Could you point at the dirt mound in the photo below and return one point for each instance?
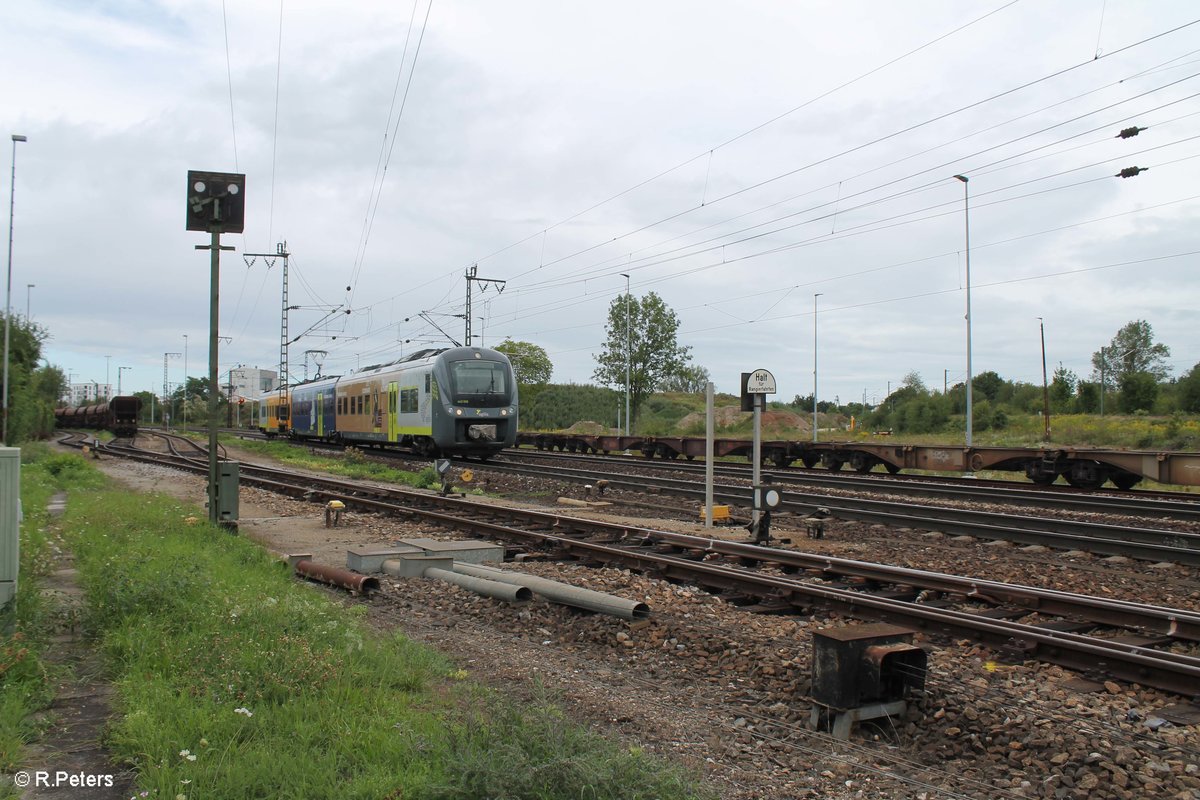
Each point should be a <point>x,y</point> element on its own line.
<point>784,423</point>
<point>587,428</point>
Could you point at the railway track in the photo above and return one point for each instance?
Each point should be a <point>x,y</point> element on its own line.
<point>1144,544</point>
<point>1151,645</point>
<point>1175,505</point>
<point>1104,539</point>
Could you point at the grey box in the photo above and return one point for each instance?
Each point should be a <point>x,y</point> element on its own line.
<point>468,551</point>
<point>228,478</point>
<point>10,522</point>
<point>370,559</point>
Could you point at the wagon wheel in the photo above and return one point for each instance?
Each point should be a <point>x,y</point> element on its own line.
<point>1084,482</point>
<point>834,464</point>
<point>1126,480</point>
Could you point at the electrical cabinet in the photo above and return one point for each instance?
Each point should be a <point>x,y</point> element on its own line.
<point>10,522</point>
<point>228,478</point>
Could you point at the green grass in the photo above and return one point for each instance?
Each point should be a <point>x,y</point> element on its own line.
<point>349,464</point>
<point>27,624</point>
<point>234,681</point>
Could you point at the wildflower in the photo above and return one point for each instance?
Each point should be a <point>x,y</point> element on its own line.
<point>181,797</point>
<point>186,781</point>
<point>204,742</point>
<point>244,710</point>
<point>188,754</point>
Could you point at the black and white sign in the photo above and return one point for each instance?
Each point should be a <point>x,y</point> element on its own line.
<point>761,381</point>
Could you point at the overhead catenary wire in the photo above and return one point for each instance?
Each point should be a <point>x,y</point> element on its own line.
<point>939,117</point>
<point>544,229</point>
<point>374,208</point>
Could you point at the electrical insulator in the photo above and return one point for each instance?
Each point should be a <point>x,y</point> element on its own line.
<point>1129,132</point>
<point>1130,172</point>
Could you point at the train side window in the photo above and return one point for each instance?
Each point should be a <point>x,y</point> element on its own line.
<point>408,401</point>
<point>428,381</point>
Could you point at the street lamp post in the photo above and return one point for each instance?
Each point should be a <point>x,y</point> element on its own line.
<point>12,188</point>
<point>628,353</point>
<point>120,372</point>
<point>108,371</point>
<point>815,296</point>
<point>185,383</point>
<point>29,287</point>
<point>1045,385</point>
<point>967,225</point>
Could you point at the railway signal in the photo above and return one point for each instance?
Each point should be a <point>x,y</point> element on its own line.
<point>216,203</point>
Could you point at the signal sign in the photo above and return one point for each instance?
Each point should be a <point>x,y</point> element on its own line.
<point>761,381</point>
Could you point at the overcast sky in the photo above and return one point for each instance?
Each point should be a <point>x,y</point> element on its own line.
<point>735,158</point>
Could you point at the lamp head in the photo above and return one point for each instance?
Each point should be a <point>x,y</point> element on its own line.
<point>962,178</point>
<point>16,137</point>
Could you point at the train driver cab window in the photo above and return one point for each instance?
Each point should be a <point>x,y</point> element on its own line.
<point>480,382</point>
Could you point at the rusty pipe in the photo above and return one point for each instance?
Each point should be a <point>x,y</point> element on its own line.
<point>360,584</point>
<point>561,592</point>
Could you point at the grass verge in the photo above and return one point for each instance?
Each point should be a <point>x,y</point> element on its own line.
<point>28,622</point>
<point>349,464</point>
<point>236,682</point>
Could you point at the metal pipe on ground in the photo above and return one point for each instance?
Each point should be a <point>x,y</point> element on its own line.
<point>561,592</point>
<point>362,584</point>
<point>488,588</point>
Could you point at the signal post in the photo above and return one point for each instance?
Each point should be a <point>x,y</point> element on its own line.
<point>216,203</point>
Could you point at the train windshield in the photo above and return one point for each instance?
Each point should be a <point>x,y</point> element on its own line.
<point>480,382</point>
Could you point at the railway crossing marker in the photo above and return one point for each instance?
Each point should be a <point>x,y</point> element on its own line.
<point>756,386</point>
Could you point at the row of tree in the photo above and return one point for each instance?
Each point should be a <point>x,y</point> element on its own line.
<point>34,388</point>
<point>1130,375</point>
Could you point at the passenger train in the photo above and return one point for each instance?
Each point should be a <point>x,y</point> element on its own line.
<point>460,401</point>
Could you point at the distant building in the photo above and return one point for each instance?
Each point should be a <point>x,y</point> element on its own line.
<point>80,393</point>
<point>251,382</point>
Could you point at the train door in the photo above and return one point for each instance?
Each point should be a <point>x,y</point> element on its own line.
<point>320,414</point>
<point>393,394</point>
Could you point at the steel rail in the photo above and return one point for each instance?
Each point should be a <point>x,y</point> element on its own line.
<point>1162,669</point>
<point>1144,544</point>
<point>1130,503</point>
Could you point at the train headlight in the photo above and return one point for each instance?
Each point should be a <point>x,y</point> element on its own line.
<point>504,412</point>
<point>458,412</point>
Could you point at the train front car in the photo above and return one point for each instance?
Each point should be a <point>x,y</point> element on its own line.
<point>474,402</point>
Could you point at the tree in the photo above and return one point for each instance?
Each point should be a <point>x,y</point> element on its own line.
<point>988,384</point>
<point>530,362</point>
<point>1088,397</point>
<point>692,379</point>
<point>1132,350</point>
<point>33,391</point>
<point>653,354</point>
<point>1139,390</point>
<point>1189,391</point>
<point>1062,389</point>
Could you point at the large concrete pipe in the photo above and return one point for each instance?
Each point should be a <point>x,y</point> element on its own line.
<point>561,592</point>
<point>500,590</point>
